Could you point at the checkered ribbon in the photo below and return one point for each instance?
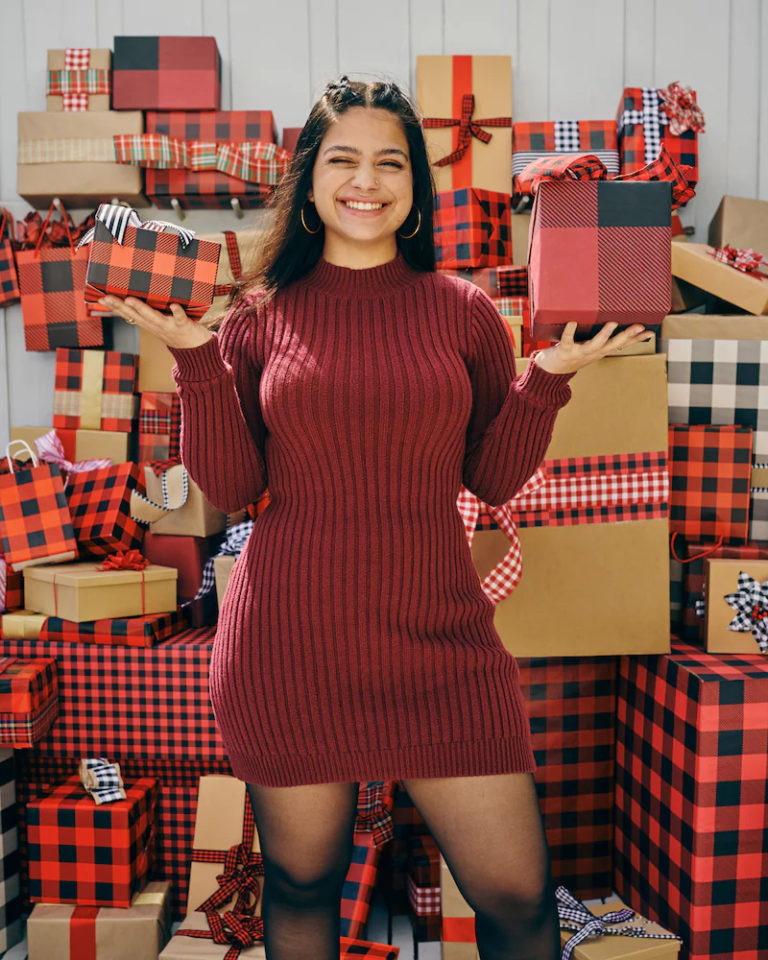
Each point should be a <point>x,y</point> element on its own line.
<point>116,218</point>
<point>745,260</point>
<point>679,104</point>
<point>233,545</point>
<point>102,779</point>
<point>468,128</point>
<point>77,80</point>
<point>576,917</point>
<point>51,449</point>
<point>751,605</point>
<point>146,511</point>
<point>651,117</point>
<point>235,264</point>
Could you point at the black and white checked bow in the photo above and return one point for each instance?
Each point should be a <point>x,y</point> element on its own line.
<point>102,779</point>
<point>751,605</point>
<point>233,544</point>
<point>116,218</point>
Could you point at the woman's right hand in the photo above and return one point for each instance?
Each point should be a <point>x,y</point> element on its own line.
<point>176,330</point>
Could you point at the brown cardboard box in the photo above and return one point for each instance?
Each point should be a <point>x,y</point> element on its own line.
<point>78,183</point>
<point>155,364</point>
<point>88,444</point>
<point>595,589</point>
<point>222,571</point>
<point>248,245</point>
<point>99,59</point>
<point>22,625</point>
<point>490,80</point>
<point>82,591</point>
<point>623,948</point>
<point>693,263</point>
<point>137,932</point>
<point>740,222</point>
<point>459,917</point>
<point>722,578</point>
<point>196,518</point>
<point>521,224</point>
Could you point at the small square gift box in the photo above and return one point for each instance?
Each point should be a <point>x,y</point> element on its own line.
<point>60,931</point>
<point>95,390</point>
<point>736,606</point>
<point>88,853</point>
<point>166,73</point>
<point>29,699</point>
<point>78,79</point>
<point>100,506</point>
<point>737,275</point>
<point>159,426</point>
<point>154,261</point>
<point>472,228</point>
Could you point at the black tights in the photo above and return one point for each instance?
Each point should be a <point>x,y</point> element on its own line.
<point>488,829</point>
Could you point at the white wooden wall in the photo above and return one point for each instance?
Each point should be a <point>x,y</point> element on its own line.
<point>571,58</point>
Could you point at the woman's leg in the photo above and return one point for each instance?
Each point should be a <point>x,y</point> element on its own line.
<point>490,832</point>
<point>305,834</point>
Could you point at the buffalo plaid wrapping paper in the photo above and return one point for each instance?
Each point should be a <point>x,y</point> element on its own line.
<point>691,805</point>
<point>11,587</point>
<point>710,469</point>
<point>643,126</point>
<point>166,73</point>
<point>95,390</point>
<point>10,880</point>
<point>159,426</point>
<point>472,228</point>
<point>130,631</point>
<point>533,141</point>
<point>9,284</point>
<point>208,189</point>
<point>100,506</point>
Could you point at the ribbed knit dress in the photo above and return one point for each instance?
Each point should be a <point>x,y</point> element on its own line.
<point>355,641</point>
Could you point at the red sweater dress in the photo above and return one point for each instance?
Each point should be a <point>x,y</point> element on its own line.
<point>355,641</point>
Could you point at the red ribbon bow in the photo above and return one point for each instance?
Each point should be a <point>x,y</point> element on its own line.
<point>679,104</point>
<point>468,128</point>
<point>746,260</point>
<point>124,560</point>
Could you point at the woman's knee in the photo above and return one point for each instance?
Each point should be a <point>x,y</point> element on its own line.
<point>308,882</point>
<point>516,906</point>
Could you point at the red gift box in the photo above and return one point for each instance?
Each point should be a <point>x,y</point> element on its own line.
<point>643,125</point>
<point>166,73</point>
<point>159,426</point>
<point>128,631</point>
<point>187,554</point>
<point>533,141</point>
<point>99,504</point>
<point>472,228</point>
<point>89,854</point>
<point>9,285</point>
<point>29,699</point>
<point>11,587</point>
<point>95,390</point>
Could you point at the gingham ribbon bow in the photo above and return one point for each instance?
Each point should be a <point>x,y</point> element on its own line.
<point>51,450</point>
<point>744,259</point>
<point>751,605</point>
<point>681,108</point>
<point>116,218</point>
<point>232,545</point>
<point>575,916</point>
<point>102,779</point>
<point>468,128</point>
<point>77,80</point>
<point>240,878</point>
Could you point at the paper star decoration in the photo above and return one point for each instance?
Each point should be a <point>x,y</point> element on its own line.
<point>751,605</point>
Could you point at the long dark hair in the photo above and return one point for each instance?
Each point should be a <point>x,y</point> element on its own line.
<point>287,251</point>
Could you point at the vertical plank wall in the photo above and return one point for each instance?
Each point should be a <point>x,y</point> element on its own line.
<point>570,59</point>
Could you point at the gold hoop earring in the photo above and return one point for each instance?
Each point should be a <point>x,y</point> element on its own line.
<point>407,236</point>
<point>304,223</point>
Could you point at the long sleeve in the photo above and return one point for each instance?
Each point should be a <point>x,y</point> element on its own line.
<point>512,417</point>
<point>222,428</point>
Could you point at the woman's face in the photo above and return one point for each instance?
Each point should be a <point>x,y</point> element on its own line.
<point>362,183</point>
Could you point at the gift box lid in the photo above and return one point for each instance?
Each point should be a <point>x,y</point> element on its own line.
<point>618,948</point>
<point>26,684</point>
<point>84,574</point>
<point>72,794</point>
<point>152,901</point>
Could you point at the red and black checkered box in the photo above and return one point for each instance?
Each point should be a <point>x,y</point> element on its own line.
<point>29,699</point>
<point>691,802</point>
<point>533,141</point>
<point>643,126</point>
<point>472,228</point>
<point>11,587</point>
<point>159,426</point>
<point>207,188</point>
<point>96,390</point>
<point>91,854</point>
<point>166,73</point>
<point>100,506</point>
<point>129,631</point>
<point>424,888</point>
<point>710,470</point>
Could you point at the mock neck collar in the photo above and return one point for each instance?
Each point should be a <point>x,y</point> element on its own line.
<point>381,280</point>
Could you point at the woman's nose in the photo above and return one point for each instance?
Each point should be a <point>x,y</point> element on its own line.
<point>366,177</point>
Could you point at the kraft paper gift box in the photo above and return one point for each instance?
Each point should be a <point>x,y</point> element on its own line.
<point>10,887</point>
<point>166,73</point>
<point>72,156</point>
<point>79,444</point>
<point>155,365</point>
<point>740,222</point>
<point>190,517</point>
<point>78,78</point>
<point>643,125</point>
<point>84,591</point>
<point>139,932</point>
<point>694,263</point>
<point>22,625</point>
<point>643,945</point>
<point>472,228</point>
<point>88,854</point>
<point>29,699</point>
<point>607,565</point>
<point>531,141</point>
<point>239,251</point>
<point>736,606</point>
<point>99,503</point>
<point>466,101</point>
<point>457,934</point>
<point>521,223</point>
<point>691,805</point>
<point>222,571</point>
<point>95,390</point>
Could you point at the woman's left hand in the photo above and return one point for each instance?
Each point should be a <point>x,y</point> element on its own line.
<point>567,356</point>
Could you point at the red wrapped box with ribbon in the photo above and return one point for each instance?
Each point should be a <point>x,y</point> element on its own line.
<point>91,854</point>
<point>78,79</point>
<point>95,390</point>
<point>129,631</point>
<point>9,283</point>
<point>535,141</point>
<point>29,699</point>
<point>100,506</point>
<point>166,73</point>
<point>472,228</point>
<point>159,426</point>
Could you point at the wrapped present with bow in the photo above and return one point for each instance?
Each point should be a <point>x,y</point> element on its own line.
<point>166,73</point>
<point>735,605</point>
<point>102,779</point>
<point>9,282</point>
<point>29,699</point>
<point>740,222</point>
<point>541,140</point>
<point>737,275</point>
<point>100,506</point>
<point>78,78</point>
<point>174,504</point>
<point>95,390</point>
<point>649,117</point>
<point>472,228</point>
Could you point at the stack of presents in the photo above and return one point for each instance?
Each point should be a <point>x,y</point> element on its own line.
<point>642,657</point>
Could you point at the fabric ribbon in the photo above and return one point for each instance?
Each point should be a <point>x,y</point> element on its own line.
<point>576,917</point>
<point>124,560</point>
<point>77,80</point>
<point>233,544</point>
<point>117,218</point>
<point>102,779</point>
<point>651,117</point>
<point>751,605</point>
<point>82,932</point>
<point>679,104</point>
<point>468,128</point>
<point>51,450</point>
<point>745,260</point>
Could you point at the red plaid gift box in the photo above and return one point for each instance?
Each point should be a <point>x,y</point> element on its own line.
<point>166,73</point>
<point>156,262</point>
<point>424,888</point>
<point>9,284</point>
<point>89,854</point>
<point>78,79</point>
<point>29,699</point>
<point>99,504</point>
<point>95,390</point>
<point>129,631</point>
<point>644,124</point>
<point>691,805</point>
<point>515,313</point>
<point>159,426</point>
<point>513,281</point>
<point>472,228</point>
<point>710,470</point>
<point>534,141</point>
<point>209,188</point>
<point>11,589</point>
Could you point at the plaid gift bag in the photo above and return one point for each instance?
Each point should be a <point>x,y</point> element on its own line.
<point>95,390</point>
<point>472,228</point>
<point>710,469</point>
<point>159,426</point>
<point>29,699</point>
<point>9,284</point>
<point>35,525</point>
<point>52,284</point>
<point>100,506</point>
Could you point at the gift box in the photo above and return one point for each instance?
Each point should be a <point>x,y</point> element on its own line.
<point>175,505</point>
<point>291,137</point>
<point>532,141</point>
<point>466,103</point>
<point>513,310</point>
<point>85,591</point>
<point>487,278</point>
<point>695,263</point>
<point>208,186</point>
<point>89,854</point>
<point>72,156</point>
<point>99,504</point>
<point>457,933</point>
<point>736,606</point>
<point>22,625</point>
<point>159,426</point>
<point>222,571</point>
<point>29,699</point>
<point>187,554</point>
<point>472,228</point>
<point>740,222</point>
<point>424,888</point>
<point>619,933</point>
<point>10,898</point>
<point>602,547</point>
<point>129,632</point>
<point>239,251</point>
<point>11,590</point>
<point>79,444</point>
<point>521,223</point>
<point>9,284</point>
<point>643,125</point>
<point>588,239</point>
<point>95,390</point>
<point>78,79</point>
<point>691,807</point>
<point>155,364</point>
<point>139,932</point>
<point>166,73</point>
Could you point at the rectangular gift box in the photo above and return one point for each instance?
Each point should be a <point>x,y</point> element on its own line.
<point>159,426</point>
<point>155,364</point>
<point>78,79</point>
<point>100,506</point>
<point>10,887</point>
<point>59,931</point>
<point>239,252</point>
<point>694,263</point>
<point>187,554</point>
<point>11,589</point>
<point>95,390</point>
<point>472,228</point>
<point>89,854</point>
<point>424,888</point>
<point>79,444</point>
<point>640,946</point>
<point>83,591</point>
<point>22,625</point>
<point>740,222</point>
<point>29,699</point>
<point>166,73</point>
<point>643,126</point>
<point>736,598</point>
<point>532,141</point>
<point>222,571</point>
<point>116,632</point>
<point>513,309</point>
<point>72,156</point>
<point>196,518</point>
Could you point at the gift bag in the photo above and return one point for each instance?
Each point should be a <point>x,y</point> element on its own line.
<point>9,284</point>
<point>35,524</point>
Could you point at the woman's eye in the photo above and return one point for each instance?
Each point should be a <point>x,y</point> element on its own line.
<point>340,160</point>
<point>393,163</point>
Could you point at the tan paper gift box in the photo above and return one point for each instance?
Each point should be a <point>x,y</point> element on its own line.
<point>457,928</point>
<point>69,155</point>
<point>22,625</point>
<point>222,571</point>
<point>653,943</point>
<point>736,596</point>
<point>175,505</point>
<point>694,263</point>
<point>81,77</point>
<point>61,931</point>
<point>740,222</point>
<point>84,591</point>
<point>80,444</point>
